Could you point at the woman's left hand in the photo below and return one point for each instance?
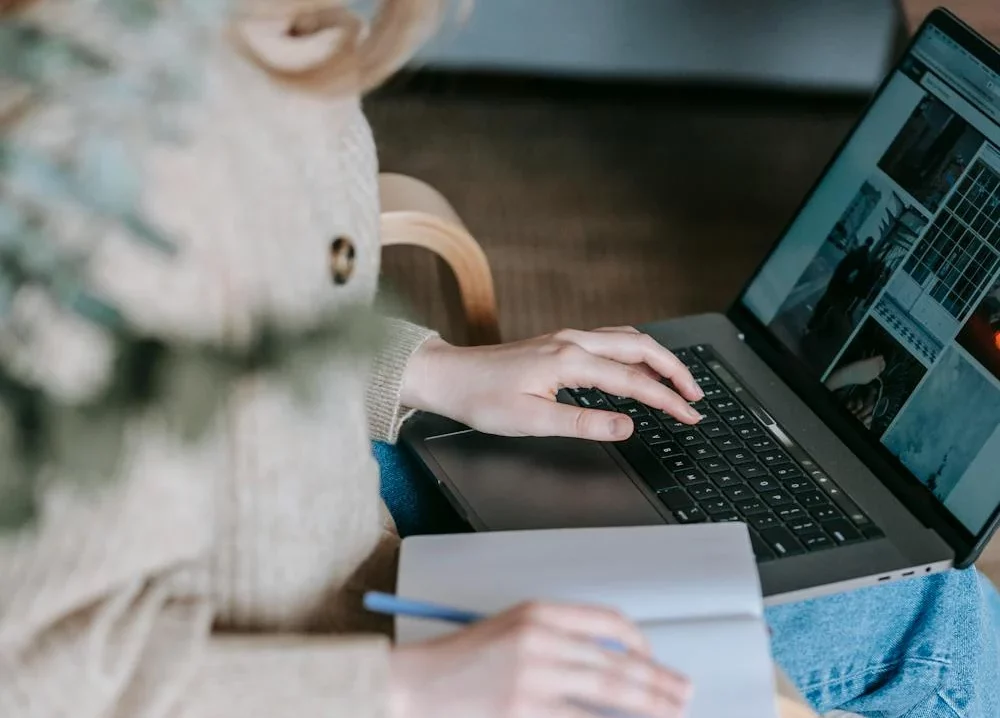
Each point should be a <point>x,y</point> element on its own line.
<point>510,389</point>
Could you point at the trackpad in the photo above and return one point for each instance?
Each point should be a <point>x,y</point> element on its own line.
<point>512,484</point>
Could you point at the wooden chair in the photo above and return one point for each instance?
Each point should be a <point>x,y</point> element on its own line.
<point>417,215</point>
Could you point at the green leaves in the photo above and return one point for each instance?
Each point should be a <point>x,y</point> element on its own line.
<point>34,57</point>
<point>91,174</point>
<point>185,387</point>
<point>133,13</point>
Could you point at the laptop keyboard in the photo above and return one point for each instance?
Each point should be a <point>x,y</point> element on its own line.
<point>731,467</point>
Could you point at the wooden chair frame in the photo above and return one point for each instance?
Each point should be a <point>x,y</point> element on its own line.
<point>417,215</point>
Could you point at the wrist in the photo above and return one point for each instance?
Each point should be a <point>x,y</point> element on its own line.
<point>421,388</point>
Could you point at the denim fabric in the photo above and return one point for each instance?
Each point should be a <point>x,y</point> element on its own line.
<point>917,648</point>
<point>412,498</point>
<point>922,648</point>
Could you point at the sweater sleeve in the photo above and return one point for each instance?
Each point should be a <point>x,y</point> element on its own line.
<point>138,653</point>
<point>263,677</point>
<point>385,413</point>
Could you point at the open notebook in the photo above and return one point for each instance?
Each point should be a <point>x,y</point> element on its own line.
<point>693,589</point>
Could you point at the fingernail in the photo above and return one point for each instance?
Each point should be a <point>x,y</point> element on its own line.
<point>693,413</point>
<point>699,392</point>
<point>621,428</point>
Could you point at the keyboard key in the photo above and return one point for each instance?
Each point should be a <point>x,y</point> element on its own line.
<point>620,400</point>
<point>778,498</point>
<point>791,513</point>
<point>799,486</point>
<point>724,479</point>
<point>646,423</point>
<point>761,550</point>
<point>670,423</point>
<point>713,465</point>
<point>751,471</point>
<point>787,471</point>
<point>773,458</point>
<point>750,431</point>
<point>687,358</point>
<point>689,438</point>
<point>660,481</point>
<point>783,543</point>
<point>815,541</point>
<point>726,443</point>
<point>711,392</point>
<point>763,484</point>
<point>702,492</point>
<point>724,405</point>
<point>739,493</point>
<point>726,517</point>
<point>749,507</point>
<point>702,377</point>
<point>843,502</point>
<point>811,499</point>
<point>761,443</point>
<point>736,418</point>
<point>634,410</point>
<point>690,477</point>
<point>652,437</point>
<point>590,399</point>
<point>714,507</point>
<point>690,515</point>
<point>821,479</point>
<point>701,407</point>
<point>666,451</point>
<point>824,512</point>
<point>678,463</point>
<point>714,429</point>
<point>739,456</point>
<point>675,499</point>
<point>842,530</point>
<point>703,451</point>
<point>803,526</point>
<point>764,521</point>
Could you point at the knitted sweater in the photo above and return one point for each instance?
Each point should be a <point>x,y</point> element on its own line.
<point>220,578</point>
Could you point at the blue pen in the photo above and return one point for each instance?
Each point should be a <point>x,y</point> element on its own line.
<point>395,606</point>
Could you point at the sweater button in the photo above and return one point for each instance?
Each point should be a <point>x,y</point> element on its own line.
<point>342,255</point>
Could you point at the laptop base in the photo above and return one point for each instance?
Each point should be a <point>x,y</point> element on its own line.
<point>499,483</point>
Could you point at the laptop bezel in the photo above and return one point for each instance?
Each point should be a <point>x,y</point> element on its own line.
<point>917,497</point>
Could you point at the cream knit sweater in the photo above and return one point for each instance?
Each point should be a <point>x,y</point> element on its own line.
<point>221,579</point>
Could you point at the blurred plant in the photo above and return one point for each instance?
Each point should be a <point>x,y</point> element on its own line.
<point>117,97</point>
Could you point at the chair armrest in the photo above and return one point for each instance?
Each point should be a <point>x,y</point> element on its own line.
<point>417,215</point>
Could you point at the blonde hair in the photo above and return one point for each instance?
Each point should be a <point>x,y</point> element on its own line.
<point>365,55</point>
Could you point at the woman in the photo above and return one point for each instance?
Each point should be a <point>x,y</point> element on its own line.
<point>222,578</point>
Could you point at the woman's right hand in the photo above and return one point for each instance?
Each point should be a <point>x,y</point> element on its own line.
<point>535,661</point>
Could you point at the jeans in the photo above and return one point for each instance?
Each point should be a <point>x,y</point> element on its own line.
<point>921,648</point>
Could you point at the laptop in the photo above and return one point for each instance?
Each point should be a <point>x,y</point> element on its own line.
<point>852,391</point>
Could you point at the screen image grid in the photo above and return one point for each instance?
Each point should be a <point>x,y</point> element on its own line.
<point>899,310</point>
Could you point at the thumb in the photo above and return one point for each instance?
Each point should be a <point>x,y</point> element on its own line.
<point>548,418</point>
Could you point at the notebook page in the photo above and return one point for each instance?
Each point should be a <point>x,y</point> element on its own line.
<point>728,660</point>
<point>651,573</point>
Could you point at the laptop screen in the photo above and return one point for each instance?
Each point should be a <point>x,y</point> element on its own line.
<point>887,284</point>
